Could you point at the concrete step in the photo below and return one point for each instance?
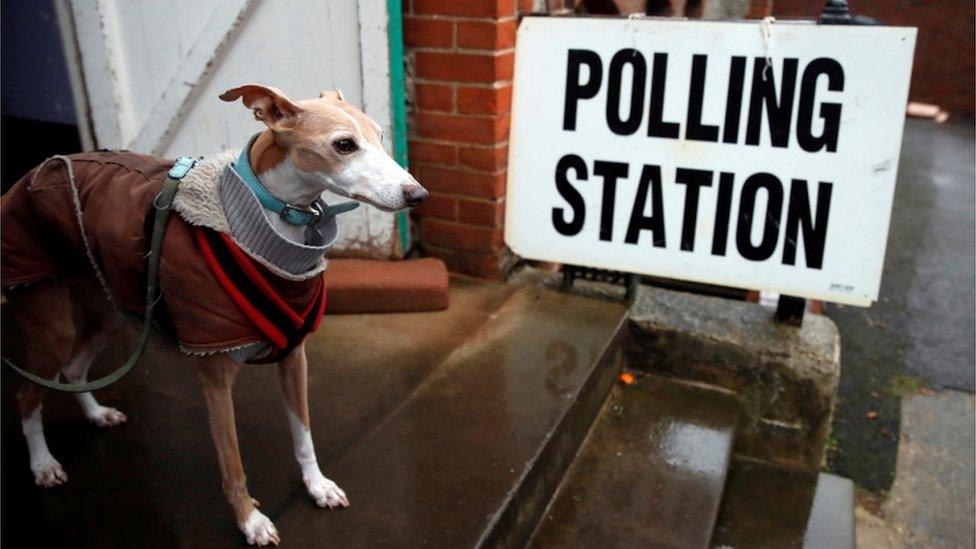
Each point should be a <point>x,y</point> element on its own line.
<point>767,506</point>
<point>446,429</point>
<point>471,457</point>
<point>651,472</point>
<point>160,467</point>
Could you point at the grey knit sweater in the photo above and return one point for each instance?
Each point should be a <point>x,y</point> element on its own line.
<point>214,196</point>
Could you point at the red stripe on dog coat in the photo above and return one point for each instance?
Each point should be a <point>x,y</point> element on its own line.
<point>237,274</point>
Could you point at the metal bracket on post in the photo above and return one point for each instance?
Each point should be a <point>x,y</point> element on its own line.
<point>629,281</point>
<point>790,310</point>
<point>836,13</point>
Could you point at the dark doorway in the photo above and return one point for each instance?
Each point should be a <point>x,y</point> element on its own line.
<point>37,115</point>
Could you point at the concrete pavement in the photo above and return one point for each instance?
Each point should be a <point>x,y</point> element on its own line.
<point>891,432</point>
<point>921,330</point>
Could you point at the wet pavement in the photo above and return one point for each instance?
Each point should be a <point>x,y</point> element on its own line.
<point>766,506</point>
<point>921,331</point>
<point>933,500</point>
<point>429,422</point>
<point>651,472</point>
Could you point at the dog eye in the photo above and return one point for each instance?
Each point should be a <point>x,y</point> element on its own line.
<point>344,146</point>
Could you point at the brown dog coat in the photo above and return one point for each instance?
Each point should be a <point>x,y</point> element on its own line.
<point>41,240</point>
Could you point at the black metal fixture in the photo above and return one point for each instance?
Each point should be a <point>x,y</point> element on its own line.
<point>629,281</point>
<point>790,310</point>
<point>836,13</point>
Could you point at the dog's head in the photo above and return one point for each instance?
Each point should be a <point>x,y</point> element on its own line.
<point>333,146</point>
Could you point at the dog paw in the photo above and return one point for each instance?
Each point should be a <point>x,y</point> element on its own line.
<point>259,530</point>
<point>325,492</point>
<point>104,416</point>
<point>49,473</point>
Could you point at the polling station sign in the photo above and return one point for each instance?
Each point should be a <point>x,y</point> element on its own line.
<point>747,154</point>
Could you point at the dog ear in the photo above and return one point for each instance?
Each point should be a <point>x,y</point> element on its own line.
<point>270,105</point>
<point>337,94</point>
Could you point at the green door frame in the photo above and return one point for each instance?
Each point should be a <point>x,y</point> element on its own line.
<point>398,106</point>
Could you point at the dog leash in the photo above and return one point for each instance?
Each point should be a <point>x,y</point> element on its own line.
<point>161,206</point>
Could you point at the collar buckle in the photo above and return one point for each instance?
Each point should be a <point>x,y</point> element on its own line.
<point>305,215</point>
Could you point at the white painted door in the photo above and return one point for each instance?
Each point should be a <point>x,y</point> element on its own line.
<point>147,74</point>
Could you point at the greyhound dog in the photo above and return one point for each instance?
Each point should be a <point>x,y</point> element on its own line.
<point>308,147</point>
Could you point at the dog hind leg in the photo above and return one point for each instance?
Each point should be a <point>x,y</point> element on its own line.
<point>217,373</point>
<point>77,372</point>
<point>98,323</point>
<point>43,312</point>
<point>293,372</point>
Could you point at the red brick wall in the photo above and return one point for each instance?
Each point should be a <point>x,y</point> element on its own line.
<point>944,52</point>
<point>460,58</point>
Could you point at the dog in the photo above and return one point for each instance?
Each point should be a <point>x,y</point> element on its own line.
<point>49,220</point>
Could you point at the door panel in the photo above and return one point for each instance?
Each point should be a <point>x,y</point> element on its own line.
<point>152,71</point>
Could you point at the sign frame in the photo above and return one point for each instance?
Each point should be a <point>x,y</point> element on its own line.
<point>527,212</point>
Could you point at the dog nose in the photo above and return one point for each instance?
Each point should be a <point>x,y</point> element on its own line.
<point>414,194</point>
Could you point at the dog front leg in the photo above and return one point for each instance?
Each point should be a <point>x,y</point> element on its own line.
<point>294,382</point>
<point>217,375</point>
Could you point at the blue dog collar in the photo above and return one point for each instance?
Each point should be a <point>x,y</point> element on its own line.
<point>291,213</point>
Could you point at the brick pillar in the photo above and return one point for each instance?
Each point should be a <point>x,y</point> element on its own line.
<point>762,8</point>
<point>460,59</point>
